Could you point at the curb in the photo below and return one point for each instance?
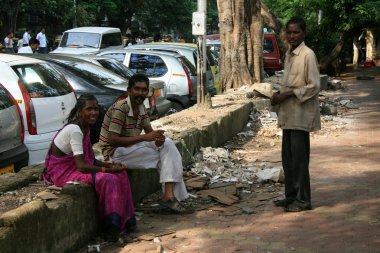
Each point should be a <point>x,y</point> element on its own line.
<point>66,223</point>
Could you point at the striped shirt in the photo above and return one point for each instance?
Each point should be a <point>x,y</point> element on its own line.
<point>119,119</point>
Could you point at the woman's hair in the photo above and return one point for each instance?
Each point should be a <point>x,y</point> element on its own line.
<point>81,102</point>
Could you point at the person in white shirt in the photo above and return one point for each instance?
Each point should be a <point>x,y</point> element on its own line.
<point>43,41</point>
<point>26,37</point>
<point>31,49</point>
<point>8,41</point>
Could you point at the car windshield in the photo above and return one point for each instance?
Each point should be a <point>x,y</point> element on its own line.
<point>42,80</point>
<point>116,67</point>
<point>268,46</point>
<point>80,39</point>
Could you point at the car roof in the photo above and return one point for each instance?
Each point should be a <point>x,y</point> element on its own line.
<point>160,46</point>
<point>89,56</point>
<point>14,59</point>
<point>94,29</point>
<point>183,44</point>
<point>150,52</point>
<point>49,57</point>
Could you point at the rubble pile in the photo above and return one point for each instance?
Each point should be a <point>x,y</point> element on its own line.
<point>218,165</point>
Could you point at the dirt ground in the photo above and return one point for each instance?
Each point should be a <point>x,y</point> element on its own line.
<point>256,148</point>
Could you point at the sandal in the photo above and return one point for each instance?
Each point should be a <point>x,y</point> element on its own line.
<point>175,206</point>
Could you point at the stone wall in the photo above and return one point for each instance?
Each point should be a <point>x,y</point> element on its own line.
<point>64,224</point>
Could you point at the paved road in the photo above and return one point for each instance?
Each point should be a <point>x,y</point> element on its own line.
<point>345,172</point>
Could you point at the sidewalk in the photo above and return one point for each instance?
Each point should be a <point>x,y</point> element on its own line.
<point>345,176</point>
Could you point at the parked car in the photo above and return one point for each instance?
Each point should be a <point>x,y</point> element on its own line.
<point>178,74</point>
<point>44,97</point>
<point>190,52</point>
<point>271,54</point>
<point>13,152</point>
<point>86,78</point>
<point>271,51</point>
<point>157,94</point>
<point>89,40</point>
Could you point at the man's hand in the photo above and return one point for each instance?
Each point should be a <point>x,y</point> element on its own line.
<point>278,97</point>
<point>155,135</point>
<point>275,99</point>
<point>160,141</point>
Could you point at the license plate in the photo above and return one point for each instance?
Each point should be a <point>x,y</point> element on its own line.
<point>7,169</point>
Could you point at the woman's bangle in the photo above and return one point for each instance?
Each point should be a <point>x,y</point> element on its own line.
<point>104,169</point>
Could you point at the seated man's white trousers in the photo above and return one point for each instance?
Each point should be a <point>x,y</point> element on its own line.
<point>145,155</point>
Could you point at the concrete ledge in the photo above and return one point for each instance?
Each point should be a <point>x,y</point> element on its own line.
<point>59,225</point>
<point>68,222</point>
<point>214,134</point>
<point>143,183</point>
<point>27,175</point>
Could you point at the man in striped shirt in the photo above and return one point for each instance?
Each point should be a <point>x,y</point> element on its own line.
<point>121,141</point>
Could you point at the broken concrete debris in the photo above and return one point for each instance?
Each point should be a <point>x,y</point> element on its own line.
<point>274,174</point>
<point>218,167</point>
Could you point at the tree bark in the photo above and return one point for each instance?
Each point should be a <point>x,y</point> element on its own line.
<point>256,28</point>
<point>237,34</point>
<point>334,54</point>
<point>271,20</point>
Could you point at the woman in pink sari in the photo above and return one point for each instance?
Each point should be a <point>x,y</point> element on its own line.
<point>71,158</point>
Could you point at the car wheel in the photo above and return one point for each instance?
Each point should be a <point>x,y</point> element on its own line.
<point>175,107</point>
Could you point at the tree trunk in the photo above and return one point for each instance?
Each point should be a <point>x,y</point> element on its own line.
<point>271,20</point>
<point>334,54</point>
<point>237,33</point>
<point>256,28</point>
<point>371,45</point>
<point>355,58</point>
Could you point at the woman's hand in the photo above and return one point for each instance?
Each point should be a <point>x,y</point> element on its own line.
<point>117,167</point>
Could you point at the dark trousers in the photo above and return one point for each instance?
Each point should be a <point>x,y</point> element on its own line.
<point>295,161</point>
<point>43,50</point>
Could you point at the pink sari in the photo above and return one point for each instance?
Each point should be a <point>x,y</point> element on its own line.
<point>115,203</point>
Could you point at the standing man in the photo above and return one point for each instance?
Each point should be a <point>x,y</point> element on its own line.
<point>43,41</point>
<point>26,37</point>
<point>121,140</point>
<point>298,116</point>
<point>8,42</point>
<point>31,49</point>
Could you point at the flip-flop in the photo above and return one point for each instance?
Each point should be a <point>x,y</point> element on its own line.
<point>175,206</point>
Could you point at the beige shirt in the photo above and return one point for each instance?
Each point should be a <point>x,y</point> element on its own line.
<point>301,74</point>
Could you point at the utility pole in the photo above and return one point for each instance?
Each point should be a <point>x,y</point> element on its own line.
<point>199,25</point>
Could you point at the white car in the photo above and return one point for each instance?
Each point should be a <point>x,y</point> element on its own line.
<point>45,99</point>
<point>89,40</point>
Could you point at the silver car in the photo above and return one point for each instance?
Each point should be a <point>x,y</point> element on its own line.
<point>190,52</point>
<point>157,88</point>
<point>178,74</point>
<point>13,152</point>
